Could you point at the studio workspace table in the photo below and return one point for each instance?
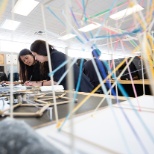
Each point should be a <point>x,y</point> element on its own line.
<point>63,109</point>
<point>121,129</point>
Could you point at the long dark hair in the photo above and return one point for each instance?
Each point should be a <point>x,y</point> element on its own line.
<point>23,68</point>
<point>39,46</point>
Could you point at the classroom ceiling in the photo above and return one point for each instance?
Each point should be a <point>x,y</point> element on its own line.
<point>51,17</point>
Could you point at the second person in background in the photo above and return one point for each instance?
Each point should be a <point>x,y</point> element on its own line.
<point>30,70</point>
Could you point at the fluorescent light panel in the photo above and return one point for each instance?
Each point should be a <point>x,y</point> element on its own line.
<point>24,7</point>
<point>10,24</point>
<point>90,27</point>
<point>126,12</point>
<point>66,37</point>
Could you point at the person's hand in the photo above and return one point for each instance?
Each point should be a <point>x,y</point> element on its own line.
<point>36,84</point>
<point>2,82</point>
<point>28,83</point>
<point>7,82</point>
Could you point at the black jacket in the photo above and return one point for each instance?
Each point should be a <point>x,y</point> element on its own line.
<point>57,58</point>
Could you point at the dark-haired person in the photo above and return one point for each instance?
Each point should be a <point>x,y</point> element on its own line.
<point>30,70</point>
<point>78,62</point>
<point>39,50</point>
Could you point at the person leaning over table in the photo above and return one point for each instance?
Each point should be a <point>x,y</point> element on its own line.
<point>30,70</point>
<point>39,50</point>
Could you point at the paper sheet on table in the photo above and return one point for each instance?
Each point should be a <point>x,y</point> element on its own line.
<point>56,88</point>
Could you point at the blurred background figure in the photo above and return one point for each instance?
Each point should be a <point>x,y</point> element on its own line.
<point>89,70</point>
<point>78,62</point>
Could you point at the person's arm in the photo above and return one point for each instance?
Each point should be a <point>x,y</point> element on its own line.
<point>48,83</point>
<point>8,82</point>
<point>39,83</point>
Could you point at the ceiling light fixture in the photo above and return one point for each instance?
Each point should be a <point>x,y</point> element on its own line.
<point>90,27</point>
<point>24,7</point>
<point>10,24</point>
<point>126,12</point>
<point>67,36</point>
